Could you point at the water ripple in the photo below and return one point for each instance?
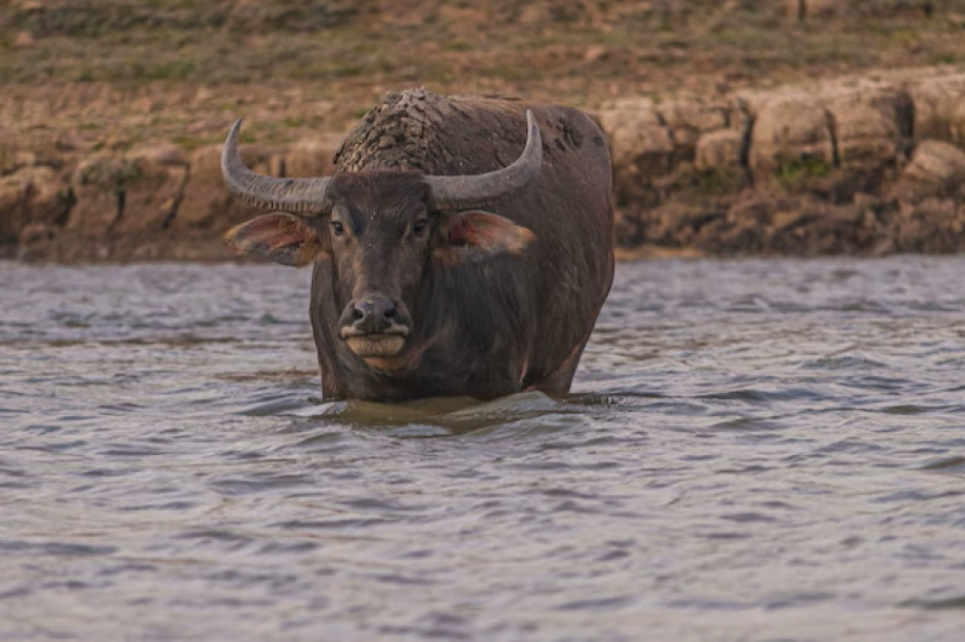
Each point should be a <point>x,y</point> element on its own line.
<point>753,450</point>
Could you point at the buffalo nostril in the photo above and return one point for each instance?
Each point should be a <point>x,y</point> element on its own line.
<point>372,313</point>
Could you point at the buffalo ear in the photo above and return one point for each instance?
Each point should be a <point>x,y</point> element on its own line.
<point>474,234</point>
<point>278,236</point>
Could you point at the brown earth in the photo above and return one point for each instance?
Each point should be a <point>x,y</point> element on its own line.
<point>737,127</point>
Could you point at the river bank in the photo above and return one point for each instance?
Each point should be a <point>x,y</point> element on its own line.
<point>727,140</point>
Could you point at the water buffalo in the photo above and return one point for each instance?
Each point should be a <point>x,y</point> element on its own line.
<point>463,246</point>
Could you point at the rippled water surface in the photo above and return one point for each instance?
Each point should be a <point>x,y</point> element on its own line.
<point>754,450</point>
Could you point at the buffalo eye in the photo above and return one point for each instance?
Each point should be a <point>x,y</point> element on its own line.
<point>419,227</point>
<point>337,228</point>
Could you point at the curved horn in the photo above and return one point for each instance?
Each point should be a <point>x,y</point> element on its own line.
<point>287,194</point>
<point>465,192</point>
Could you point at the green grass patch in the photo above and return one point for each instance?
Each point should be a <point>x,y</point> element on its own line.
<point>799,173</point>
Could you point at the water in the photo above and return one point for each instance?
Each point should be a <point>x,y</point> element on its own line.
<point>754,450</point>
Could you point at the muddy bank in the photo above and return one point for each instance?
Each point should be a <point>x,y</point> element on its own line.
<point>854,166</point>
<point>863,166</point>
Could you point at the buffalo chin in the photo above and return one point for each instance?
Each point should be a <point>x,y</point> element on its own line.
<point>375,346</point>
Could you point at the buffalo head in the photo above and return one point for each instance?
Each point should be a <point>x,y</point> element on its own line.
<point>380,229</point>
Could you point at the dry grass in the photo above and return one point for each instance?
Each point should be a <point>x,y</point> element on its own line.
<point>181,68</point>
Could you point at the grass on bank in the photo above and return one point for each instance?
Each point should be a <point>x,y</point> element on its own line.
<point>113,72</point>
<point>440,41</point>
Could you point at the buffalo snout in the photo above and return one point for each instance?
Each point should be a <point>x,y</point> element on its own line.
<point>375,326</point>
<point>374,313</point>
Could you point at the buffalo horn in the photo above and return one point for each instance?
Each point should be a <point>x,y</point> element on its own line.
<point>448,192</point>
<point>286,194</point>
<point>463,192</point>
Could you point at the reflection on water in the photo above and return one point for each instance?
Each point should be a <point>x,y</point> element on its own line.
<point>752,450</point>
